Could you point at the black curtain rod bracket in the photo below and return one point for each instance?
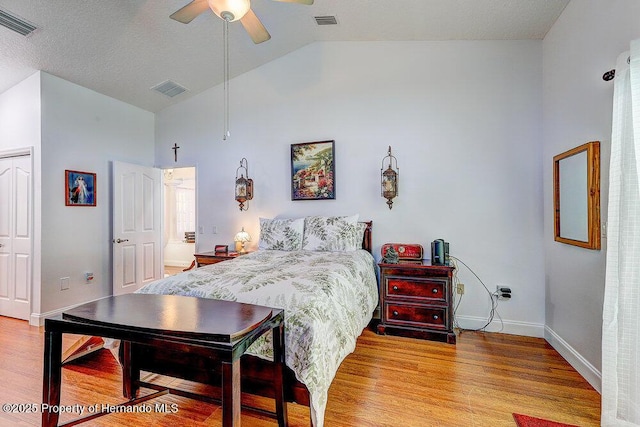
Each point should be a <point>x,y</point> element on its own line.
<point>609,75</point>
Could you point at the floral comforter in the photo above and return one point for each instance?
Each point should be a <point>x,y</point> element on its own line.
<point>328,298</point>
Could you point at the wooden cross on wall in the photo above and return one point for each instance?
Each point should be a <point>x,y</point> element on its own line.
<point>175,152</point>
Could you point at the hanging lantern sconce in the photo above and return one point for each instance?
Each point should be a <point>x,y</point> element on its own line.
<point>244,186</point>
<point>389,179</point>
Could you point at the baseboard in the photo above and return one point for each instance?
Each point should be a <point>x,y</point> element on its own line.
<point>579,363</point>
<point>37,319</point>
<point>510,327</point>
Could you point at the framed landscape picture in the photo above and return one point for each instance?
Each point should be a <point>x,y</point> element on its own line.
<point>313,171</point>
<point>80,188</point>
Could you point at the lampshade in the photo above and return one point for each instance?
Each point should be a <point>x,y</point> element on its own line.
<point>230,10</point>
<point>242,236</point>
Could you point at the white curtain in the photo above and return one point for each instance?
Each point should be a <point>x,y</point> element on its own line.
<point>621,311</point>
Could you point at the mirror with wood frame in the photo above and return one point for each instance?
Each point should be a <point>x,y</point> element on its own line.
<point>576,196</point>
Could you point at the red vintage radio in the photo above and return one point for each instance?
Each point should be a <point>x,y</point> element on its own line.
<point>407,252</point>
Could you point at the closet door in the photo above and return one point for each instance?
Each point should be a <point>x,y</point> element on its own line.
<point>16,219</point>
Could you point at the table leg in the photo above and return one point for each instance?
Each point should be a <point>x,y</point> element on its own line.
<point>130,371</point>
<point>52,377</point>
<point>231,393</point>
<point>278,366</point>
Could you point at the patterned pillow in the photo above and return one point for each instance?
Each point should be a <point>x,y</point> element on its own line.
<point>332,233</point>
<point>281,234</point>
<point>360,228</point>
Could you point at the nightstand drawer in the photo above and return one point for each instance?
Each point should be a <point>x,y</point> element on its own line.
<point>415,315</point>
<point>427,289</point>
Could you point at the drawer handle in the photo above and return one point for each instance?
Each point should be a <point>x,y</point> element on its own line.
<point>436,317</point>
<point>395,313</point>
<point>395,288</point>
<point>435,290</point>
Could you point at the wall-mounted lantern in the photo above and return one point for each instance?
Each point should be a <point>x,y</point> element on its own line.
<point>389,179</point>
<point>244,186</point>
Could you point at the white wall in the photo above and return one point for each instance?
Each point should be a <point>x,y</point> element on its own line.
<point>20,128</point>
<point>463,119</point>
<point>581,46</point>
<point>20,114</point>
<point>83,130</point>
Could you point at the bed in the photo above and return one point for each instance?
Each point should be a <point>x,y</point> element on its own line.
<point>326,285</point>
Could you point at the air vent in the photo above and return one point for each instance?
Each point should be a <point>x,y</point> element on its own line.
<point>169,88</point>
<point>16,24</point>
<point>326,20</point>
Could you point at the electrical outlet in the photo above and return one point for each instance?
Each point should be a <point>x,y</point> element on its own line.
<point>460,288</point>
<point>214,230</point>
<point>503,292</point>
<point>64,283</point>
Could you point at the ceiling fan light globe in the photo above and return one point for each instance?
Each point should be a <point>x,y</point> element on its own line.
<point>230,10</point>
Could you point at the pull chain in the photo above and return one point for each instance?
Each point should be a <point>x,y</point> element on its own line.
<point>226,80</point>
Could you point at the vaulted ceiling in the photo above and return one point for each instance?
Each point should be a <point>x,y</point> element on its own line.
<point>122,48</point>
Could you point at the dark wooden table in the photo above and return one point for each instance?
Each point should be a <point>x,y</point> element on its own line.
<point>219,329</point>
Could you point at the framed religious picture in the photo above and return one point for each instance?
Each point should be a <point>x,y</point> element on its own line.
<point>80,188</point>
<point>313,171</point>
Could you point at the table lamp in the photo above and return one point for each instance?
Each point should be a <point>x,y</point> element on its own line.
<point>242,237</point>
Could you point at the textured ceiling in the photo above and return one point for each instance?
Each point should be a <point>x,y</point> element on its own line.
<point>122,48</point>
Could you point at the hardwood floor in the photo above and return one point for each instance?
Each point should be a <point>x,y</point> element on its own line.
<point>388,381</point>
<point>171,270</point>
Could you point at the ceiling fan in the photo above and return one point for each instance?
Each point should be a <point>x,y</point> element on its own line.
<point>230,11</point>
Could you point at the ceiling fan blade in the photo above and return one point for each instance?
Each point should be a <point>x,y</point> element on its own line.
<point>309,2</point>
<point>254,27</point>
<point>190,11</point>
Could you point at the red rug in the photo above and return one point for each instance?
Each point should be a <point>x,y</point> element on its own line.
<point>527,421</point>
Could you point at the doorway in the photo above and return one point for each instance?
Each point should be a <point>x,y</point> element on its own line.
<point>179,227</point>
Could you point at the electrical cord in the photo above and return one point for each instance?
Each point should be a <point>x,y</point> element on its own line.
<point>457,298</point>
<point>493,297</point>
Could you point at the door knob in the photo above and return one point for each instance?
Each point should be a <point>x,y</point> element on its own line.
<point>120,240</point>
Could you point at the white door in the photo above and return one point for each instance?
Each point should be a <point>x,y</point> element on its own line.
<point>15,236</point>
<point>137,228</point>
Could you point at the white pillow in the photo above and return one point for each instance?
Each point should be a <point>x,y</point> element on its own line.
<point>332,233</point>
<point>281,234</point>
